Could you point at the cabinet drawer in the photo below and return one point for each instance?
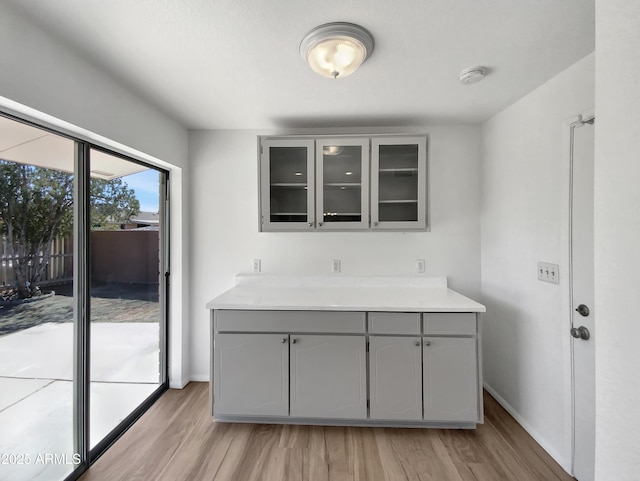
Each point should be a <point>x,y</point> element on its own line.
<point>462,323</point>
<point>394,323</point>
<point>290,321</point>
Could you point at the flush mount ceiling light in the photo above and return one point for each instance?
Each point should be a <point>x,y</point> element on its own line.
<point>473,75</point>
<point>336,49</point>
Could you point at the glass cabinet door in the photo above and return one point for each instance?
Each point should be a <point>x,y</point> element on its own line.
<point>342,177</point>
<point>287,184</point>
<point>398,183</point>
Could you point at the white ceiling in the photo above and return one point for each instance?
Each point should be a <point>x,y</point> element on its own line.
<point>235,63</point>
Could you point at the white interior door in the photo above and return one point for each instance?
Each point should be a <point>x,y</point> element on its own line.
<point>582,294</point>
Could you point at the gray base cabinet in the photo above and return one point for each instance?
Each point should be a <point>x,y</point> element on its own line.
<point>252,374</point>
<point>354,368</point>
<point>395,368</point>
<point>450,383</point>
<point>328,377</point>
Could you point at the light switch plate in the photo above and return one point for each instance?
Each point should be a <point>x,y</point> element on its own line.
<point>548,272</point>
<point>420,266</point>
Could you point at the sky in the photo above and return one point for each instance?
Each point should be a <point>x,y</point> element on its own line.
<point>146,184</point>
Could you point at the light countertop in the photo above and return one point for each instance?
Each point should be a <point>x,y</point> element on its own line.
<point>343,293</point>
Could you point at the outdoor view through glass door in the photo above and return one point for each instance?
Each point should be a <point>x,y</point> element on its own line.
<point>36,304</point>
<point>126,314</point>
<point>71,376</point>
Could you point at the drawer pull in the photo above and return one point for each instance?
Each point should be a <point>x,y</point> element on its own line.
<point>294,340</point>
<point>427,343</point>
<point>284,340</point>
<point>417,343</point>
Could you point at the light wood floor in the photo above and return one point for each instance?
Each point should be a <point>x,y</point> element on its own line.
<point>178,440</point>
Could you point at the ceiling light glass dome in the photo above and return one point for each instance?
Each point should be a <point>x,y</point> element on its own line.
<point>336,50</point>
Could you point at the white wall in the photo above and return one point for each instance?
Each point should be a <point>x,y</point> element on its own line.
<point>617,240</point>
<point>44,81</point>
<point>225,237</point>
<point>525,337</point>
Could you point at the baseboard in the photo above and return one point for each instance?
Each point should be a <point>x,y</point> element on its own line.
<point>180,385</point>
<point>192,377</point>
<point>561,460</point>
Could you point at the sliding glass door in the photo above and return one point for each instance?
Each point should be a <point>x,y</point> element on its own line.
<point>83,263</point>
<point>36,304</point>
<point>126,289</point>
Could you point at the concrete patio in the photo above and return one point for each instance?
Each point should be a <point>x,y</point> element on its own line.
<point>36,390</point>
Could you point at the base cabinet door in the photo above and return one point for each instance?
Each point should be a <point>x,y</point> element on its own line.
<point>251,374</point>
<point>450,379</point>
<point>395,382</point>
<point>328,376</point>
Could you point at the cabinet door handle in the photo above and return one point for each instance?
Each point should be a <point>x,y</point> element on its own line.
<point>293,340</point>
<point>320,223</point>
<point>310,224</point>
<point>417,343</point>
<point>375,224</point>
<point>427,343</point>
<point>284,340</point>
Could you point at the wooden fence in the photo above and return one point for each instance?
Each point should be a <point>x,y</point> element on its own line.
<point>59,268</point>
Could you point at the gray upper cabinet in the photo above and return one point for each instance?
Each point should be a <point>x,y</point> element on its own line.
<point>398,183</point>
<point>287,184</point>
<point>342,177</point>
<point>343,183</point>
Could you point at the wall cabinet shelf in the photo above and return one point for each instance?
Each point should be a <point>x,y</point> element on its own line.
<point>343,183</point>
<point>410,169</point>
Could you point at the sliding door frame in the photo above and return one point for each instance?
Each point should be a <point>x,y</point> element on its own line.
<point>163,286</point>
<point>82,304</point>
<point>82,298</point>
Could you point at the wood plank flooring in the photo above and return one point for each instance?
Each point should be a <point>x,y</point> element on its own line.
<point>178,440</point>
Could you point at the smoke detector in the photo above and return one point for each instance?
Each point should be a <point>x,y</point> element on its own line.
<point>473,75</point>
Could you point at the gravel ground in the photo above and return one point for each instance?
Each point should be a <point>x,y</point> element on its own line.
<point>109,303</point>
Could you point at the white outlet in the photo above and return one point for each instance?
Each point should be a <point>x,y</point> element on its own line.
<point>257,265</point>
<point>420,266</point>
<point>548,272</point>
<point>335,265</point>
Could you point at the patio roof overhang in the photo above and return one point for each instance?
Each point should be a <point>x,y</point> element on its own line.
<point>25,144</point>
